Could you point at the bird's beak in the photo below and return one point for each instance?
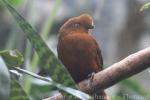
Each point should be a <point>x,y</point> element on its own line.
<point>92,26</point>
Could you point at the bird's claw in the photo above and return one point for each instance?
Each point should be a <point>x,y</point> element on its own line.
<point>91,76</point>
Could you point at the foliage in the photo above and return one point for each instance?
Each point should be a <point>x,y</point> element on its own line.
<point>12,58</point>
<point>58,78</point>
<point>4,82</point>
<point>145,6</point>
<point>16,91</point>
<point>16,2</point>
<point>56,70</point>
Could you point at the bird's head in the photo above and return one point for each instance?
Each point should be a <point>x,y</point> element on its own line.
<point>79,24</point>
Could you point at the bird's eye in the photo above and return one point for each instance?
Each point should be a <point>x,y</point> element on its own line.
<point>76,25</point>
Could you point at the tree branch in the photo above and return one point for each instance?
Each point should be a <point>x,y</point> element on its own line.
<point>127,67</point>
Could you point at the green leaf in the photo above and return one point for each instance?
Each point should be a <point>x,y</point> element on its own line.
<point>46,28</point>
<point>40,90</point>
<point>17,92</point>
<point>12,58</point>
<point>145,7</point>
<point>4,81</point>
<point>56,70</point>
<point>16,2</point>
<point>74,92</point>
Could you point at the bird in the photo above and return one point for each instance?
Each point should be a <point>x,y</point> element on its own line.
<point>78,50</point>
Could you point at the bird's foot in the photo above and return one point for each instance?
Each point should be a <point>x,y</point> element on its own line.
<point>91,76</point>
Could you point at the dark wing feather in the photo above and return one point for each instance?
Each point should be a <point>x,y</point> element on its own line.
<point>99,58</point>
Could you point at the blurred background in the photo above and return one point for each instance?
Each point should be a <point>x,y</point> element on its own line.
<point>120,29</point>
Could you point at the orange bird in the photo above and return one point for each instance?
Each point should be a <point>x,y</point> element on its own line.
<point>77,48</point>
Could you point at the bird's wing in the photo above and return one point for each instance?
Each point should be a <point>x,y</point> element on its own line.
<point>99,58</point>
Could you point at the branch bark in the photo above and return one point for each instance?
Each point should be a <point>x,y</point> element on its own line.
<point>127,67</point>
